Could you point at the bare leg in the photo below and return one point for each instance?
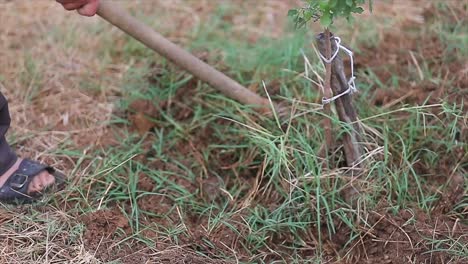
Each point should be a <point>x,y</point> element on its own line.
<point>9,162</point>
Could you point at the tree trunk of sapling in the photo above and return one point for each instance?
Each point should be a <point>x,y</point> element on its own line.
<point>327,92</point>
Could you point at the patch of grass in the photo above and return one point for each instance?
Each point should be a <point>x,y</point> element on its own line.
<point>295,201</point>
<point>215,177</point>
<point>31,78</point>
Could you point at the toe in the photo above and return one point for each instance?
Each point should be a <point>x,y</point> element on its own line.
<point>33,186</point>
<point>40,182</point>
<point>49,179</point>
<point>45,180</point>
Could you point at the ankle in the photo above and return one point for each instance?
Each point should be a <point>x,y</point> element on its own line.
<point>7,157</point>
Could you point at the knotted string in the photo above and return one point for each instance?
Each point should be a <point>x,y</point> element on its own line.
<point>351,84</point>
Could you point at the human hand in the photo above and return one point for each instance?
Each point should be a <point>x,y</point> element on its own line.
<point>84,7</point>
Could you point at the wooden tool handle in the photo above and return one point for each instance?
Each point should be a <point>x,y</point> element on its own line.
<point>117,16</point>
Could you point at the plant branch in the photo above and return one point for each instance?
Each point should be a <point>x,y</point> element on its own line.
<point>327,92</point>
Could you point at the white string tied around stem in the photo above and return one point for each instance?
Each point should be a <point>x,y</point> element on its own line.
<point>351,84</point>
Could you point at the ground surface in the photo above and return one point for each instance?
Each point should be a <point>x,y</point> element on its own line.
<point>163,169</point>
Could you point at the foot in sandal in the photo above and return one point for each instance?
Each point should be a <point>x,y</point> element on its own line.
<point>27,180</point>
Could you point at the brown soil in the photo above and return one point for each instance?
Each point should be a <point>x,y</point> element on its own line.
<point>385,238</point>
<point>106,228</point>
<point>401,53</point>
<point>142,113</point>
<point>404,237</point>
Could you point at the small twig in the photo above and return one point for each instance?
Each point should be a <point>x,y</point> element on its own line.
<point>104,195</point>
<point>415,61</point>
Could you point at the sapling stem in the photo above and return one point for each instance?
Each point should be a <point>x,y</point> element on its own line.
<point>327,92</point>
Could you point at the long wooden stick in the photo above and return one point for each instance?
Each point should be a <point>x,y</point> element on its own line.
<point>328,93</point>
<point>344,105</point>
<point>117,16</point>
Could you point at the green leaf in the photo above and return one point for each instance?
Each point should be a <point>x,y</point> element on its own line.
<point>324,5</point>
<point>292,12</point>
<point>358,10</point>
<point>328,10</point>
<point>326,20</point>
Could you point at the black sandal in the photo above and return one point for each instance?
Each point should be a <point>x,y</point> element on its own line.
<point>15,189</point>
